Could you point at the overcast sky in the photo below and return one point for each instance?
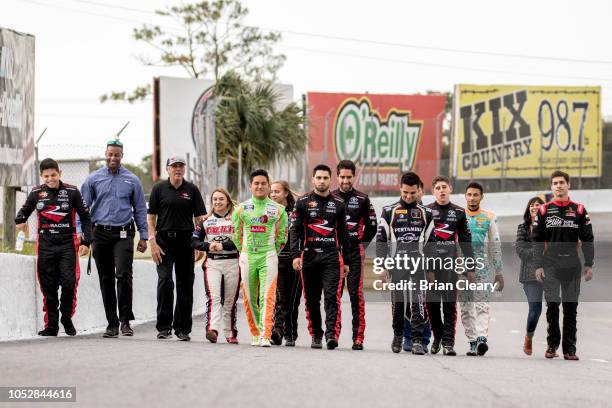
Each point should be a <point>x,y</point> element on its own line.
<point>84,49</point>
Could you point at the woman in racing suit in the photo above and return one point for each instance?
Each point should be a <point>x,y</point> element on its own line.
<point>221,273</point>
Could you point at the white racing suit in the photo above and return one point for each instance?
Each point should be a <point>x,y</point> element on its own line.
<point>221,273</point>
<point>487,246</point>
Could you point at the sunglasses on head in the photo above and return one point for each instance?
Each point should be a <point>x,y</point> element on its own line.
<point>114,142</point>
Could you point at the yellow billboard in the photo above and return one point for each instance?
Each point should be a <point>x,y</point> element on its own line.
<point>525,131</point>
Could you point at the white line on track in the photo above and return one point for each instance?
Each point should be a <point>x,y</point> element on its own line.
<point>599,360</point>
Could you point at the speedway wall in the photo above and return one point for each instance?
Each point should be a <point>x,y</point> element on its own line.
<point>21,314</point>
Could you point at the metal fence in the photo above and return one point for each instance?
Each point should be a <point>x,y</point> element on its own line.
<point>370,175</point>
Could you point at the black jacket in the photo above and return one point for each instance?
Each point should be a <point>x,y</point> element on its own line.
<point>318,223</point>
<point>556,232</point>
<point>360,217</point>
<point>403,229</point>
<point>525,249</point>
<point>450,228</point>
<point>56,209</point>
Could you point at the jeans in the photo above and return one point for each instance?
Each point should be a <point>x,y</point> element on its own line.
<point>534,292</point>
<point>426,331</point>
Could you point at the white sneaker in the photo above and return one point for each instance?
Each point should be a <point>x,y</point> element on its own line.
<point>255,341</point>
<point>265,342</point>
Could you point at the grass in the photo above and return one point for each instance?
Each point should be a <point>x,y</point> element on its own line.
<point>29,248</point>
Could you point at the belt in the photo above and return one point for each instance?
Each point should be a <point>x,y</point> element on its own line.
<point>127,227</point>
<point>175,234</point>
<point>213,256</point>
<point>322,250</point>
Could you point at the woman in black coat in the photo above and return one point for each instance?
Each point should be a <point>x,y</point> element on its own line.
<point>532,287</point>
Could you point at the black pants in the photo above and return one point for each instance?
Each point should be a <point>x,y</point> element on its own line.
<point>406,305</point>
<point>114,257</point>
<point>354,282</point>
<point>443,301</point>
<point>288,294</point>
<point>321,272</point>
<point>179,255</point>
<point>565,292</point>
<point>57,266</point>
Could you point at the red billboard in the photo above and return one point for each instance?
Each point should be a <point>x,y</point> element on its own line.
<point>385,135</point>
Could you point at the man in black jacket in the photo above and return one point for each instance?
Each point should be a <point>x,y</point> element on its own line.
<point>318,236</point>
<point>57,265</point>
<point>559,225</point>
<point>361,222</point>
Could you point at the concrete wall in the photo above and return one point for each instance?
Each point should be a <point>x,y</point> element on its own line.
<point>21,314</point>
<point>512,204</point>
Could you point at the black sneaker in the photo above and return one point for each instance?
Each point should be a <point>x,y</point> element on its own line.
<point>396,344</point>
<point>357,345</point>
<point>316,343</point>
<point>449,351</point>
<point>332,343</point>
<point>482,346</point>
<point>472,350</point>
<point>164,334</point>
<point>111,332</point>
<point>183,336</point>
<point>289,342</point>
<point>126,329</point>
<point>276,338</point>
<point>417,348</point>
<point>68,326</point>
<point>47,332</point>
<point>435,346</point>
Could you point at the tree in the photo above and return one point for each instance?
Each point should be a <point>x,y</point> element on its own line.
<point>247,115</point>
<point>213,40</point>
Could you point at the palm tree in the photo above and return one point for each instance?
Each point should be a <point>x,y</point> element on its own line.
<point>247,115</point>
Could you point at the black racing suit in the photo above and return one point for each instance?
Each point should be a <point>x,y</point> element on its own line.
<point>361,222</point>
<point>57,245</point>
<point>558,227</point>
<point>288,294</point>
<point>319,234</point>
<point>450,228</point>
<point>403,230</point>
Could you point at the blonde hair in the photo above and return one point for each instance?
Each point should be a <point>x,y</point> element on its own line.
<point>230,203</point>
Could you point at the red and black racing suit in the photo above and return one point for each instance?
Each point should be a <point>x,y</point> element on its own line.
<point>361,222</point>
<point>450,228</point>
<point>57,245</point>
<point>319,234</point>
<point>558,227</point>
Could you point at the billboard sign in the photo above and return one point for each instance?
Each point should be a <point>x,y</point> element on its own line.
<point>17,158</point>
<point>526,131</point>
<point>384,135</point>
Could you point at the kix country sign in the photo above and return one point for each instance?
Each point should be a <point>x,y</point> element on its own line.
<point>384,135</point>
<point>526,131</point>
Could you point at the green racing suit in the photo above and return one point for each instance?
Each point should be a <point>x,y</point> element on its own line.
<point>260,232</point>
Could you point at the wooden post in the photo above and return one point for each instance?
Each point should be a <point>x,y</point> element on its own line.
<point>8,217</point>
